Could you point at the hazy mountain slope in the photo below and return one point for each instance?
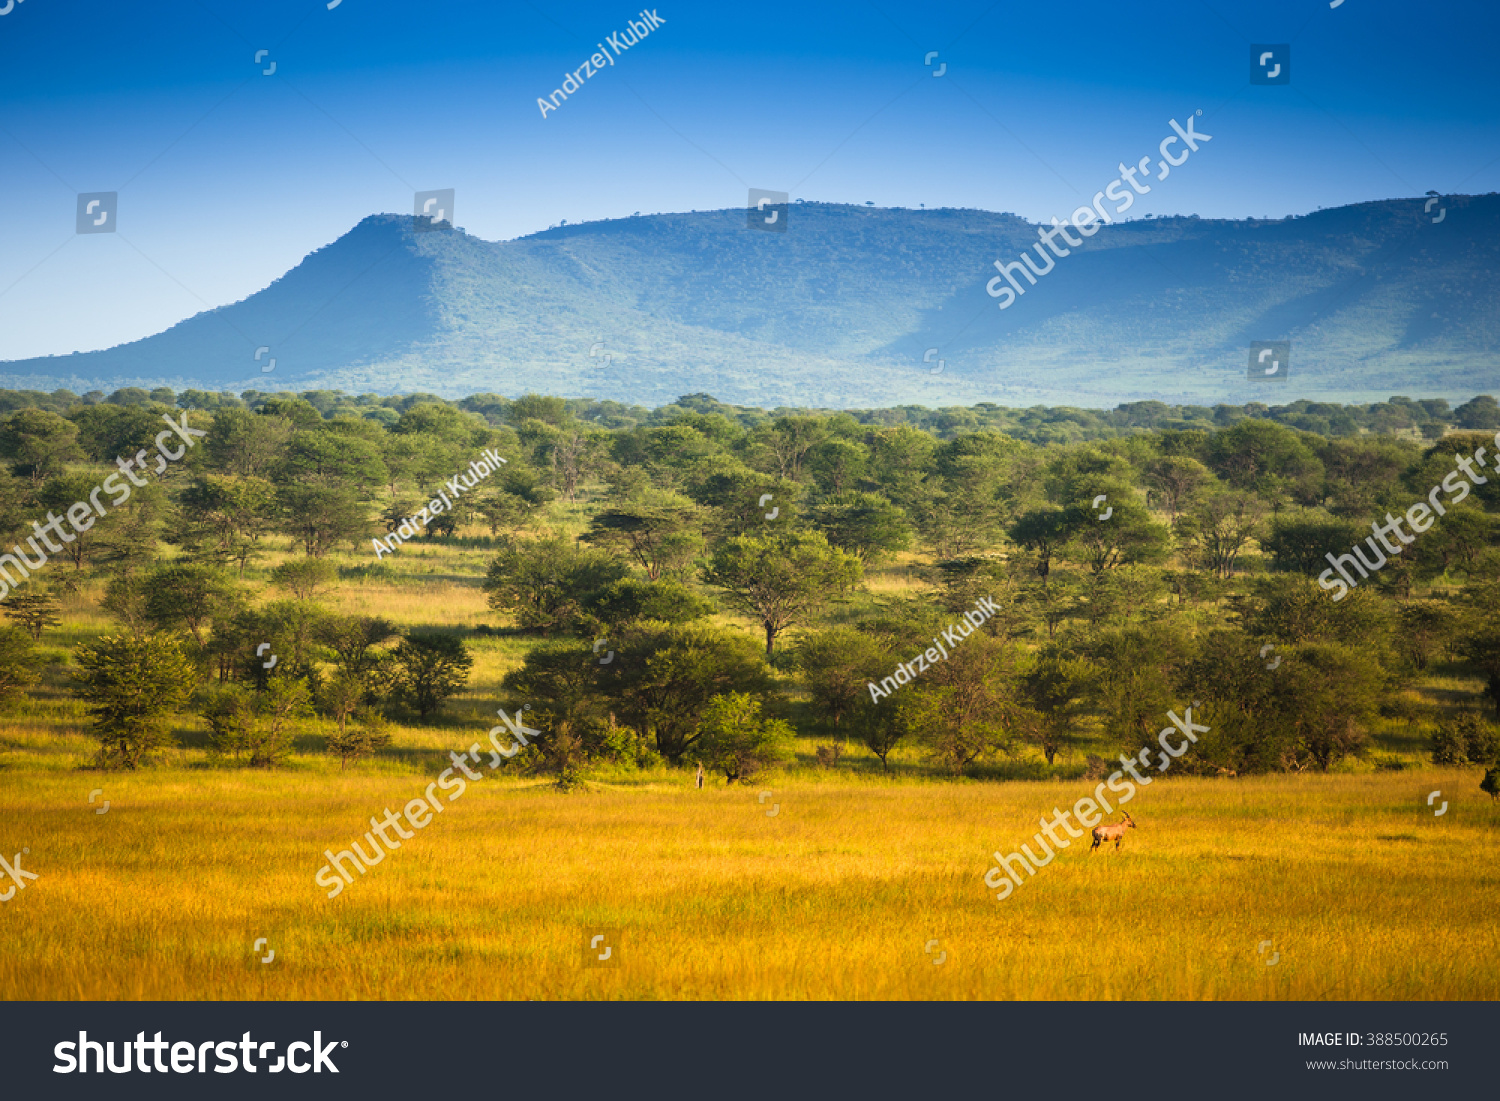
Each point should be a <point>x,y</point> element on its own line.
<point>841,309</point>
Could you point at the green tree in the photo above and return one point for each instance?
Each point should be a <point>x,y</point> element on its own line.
<point>430,669</point>
<point>737,740</point>
<point>354,740</point>
<point>246,444</point>
<point>1423,627</point>
<point>1465,738</point>
<point>967,707</point>
<point>900,458</point>
<point>62,492</point>
<point>185,596</point>
<point>1480,412</point>
<point>1482,648</point>
<point>107,431</point>
<point>838,665</point>
<point>864,524</point>
<point>20,665</point>
<point>1217,529</point>
<point>133,687</point>
<point>34,611</point>
<point>784,444</point>
<point>631,599</point>
<point>658,532</point>
<point>545,583</point>
<point>227,515</point>
<point>1128,537</point>
<point>125,602</point>
<point>1174,480</point>
<point>1312,710</point>
<point>257,726</point>
<point>666,674</point>
<point>355,642</point>
<point>562,681</point>
<point>1301,543</point>
<point>1054,690</point>
<point>1136,667</point>
<point>1264,456</point>
<point>320,517</point>
<point>304,577</point>
<point>781,579</point>
<point>880,726</point>
<point>38,443</point>
<point>837,464</point>
<point>1044,532</point>
<point>1294,609</point>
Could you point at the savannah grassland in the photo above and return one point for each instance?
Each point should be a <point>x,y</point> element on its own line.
<point>1362,891</point>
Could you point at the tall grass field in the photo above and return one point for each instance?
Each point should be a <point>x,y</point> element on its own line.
<point>1360,890</point>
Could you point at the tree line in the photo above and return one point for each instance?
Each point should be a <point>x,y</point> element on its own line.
<point>846,542</point>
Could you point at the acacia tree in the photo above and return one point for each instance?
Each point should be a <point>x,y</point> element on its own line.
<point>366,734</point>
<point>354,641</point>
<point>1312,710</point>
<point>258,726</point>
<point>1300,543</point>
<point>781,579</point>
<point>739,742</point>
<point>33,611</point>
<point>431,668</point>
<point>880,726</point>
<point>133,687</point>
<point>659,532</point>
<point>1053,690</point>
<point>966,707</point>
<point>61,493</point>
<point>1175,479</point>
<point>19,663</point>
<point>1217,529</point>
<point>1129,536</point>
<point>864,524</point>
<point>837,665</point>
<point>562,680</point>
<point>1483,649</point>
<point>785,443</point>
<point>189,596</point>
<point>1043,531</point>
<point>304,577</point>
<point>320,517</point>
<point>545,582</point>
<point>1134,670</point>
<point>667,674</point>
<point>38,443</point>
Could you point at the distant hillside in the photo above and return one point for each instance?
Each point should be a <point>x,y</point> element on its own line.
<point>840,309</point>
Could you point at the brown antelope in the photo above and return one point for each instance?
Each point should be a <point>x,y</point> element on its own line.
<point>1115,833</point>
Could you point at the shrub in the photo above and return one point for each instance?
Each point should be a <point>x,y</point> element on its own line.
<point>1465,738</point>
<point>737,741</point>
<point>18,663</point>
<point>431,668</point>
<point>34,611</point>
<point>133,686</point>
<point>257,726</point>
<point>358,736</point>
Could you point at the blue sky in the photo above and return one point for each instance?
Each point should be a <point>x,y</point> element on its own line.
<point>228,177</point>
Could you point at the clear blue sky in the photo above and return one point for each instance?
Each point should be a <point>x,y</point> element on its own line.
<point>227,178</point>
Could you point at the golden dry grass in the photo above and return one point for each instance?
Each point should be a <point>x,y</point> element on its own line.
<point>1361,891</point>
<point>1364,894</point>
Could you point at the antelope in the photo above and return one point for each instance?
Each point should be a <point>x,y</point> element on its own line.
<point>1115,833</point>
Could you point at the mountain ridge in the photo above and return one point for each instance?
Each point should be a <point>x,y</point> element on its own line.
<point>855,305</point>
